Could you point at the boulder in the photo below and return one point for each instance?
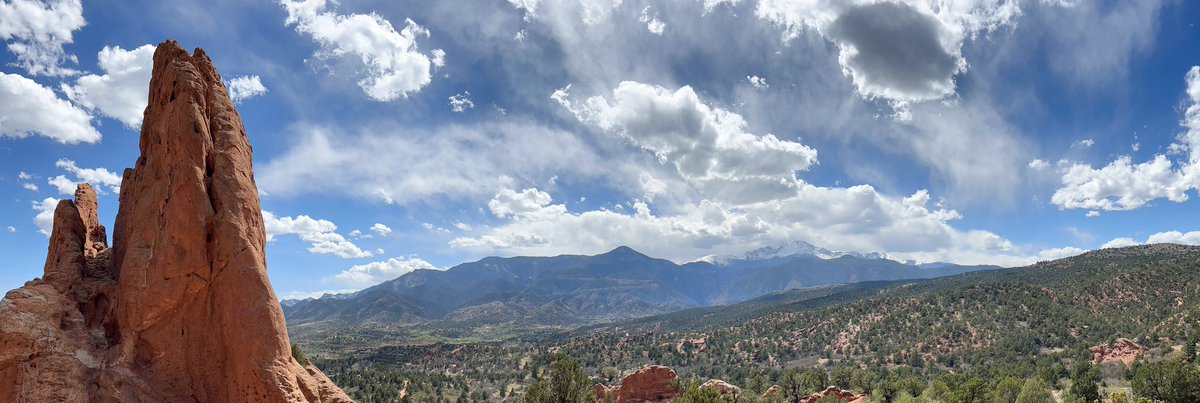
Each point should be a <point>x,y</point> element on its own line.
<point>654,383</point>
<point>722,387</point>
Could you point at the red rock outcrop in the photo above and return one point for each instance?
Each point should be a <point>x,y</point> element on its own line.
<point>180,309</point>
<point>772,392</point>
<point>1123,351</point>
<point>650,384</point>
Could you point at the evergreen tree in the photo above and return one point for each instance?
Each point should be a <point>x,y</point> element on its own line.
<point>1035,391</point>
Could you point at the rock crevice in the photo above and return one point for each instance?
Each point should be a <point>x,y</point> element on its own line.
<point>180,308</point>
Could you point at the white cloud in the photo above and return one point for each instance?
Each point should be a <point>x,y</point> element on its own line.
<point>27,107</point>
<point>526,204</point>
<point>856,218</point>
<point>653,24</point>
<point>37,30</point>
<point>24,176</point>
<point>12,229</point>
<point>245,87</point>
<point>462,226</point>
<point>708,146</point>
<point>381,229</point>
<point>356,234</point>
<point>461,102</point>
<point>98,177</point>
<point>1093,213</point>
<point>62,184</point>
<point>366,275</point>
<point>1083,144</point>
<point>120,92</point>
<point>1039,165</point>
<point>1059,253</point>
<point>758,82</point>
<point>1177,237</point>
<point>530,6</point>
<point>30,187</point>
<point>423,164</point>
<point>394,67</point>
<point>301,295</point>
<point>44,219</point>
<point>319,234</point>
<point>907,51</point>
<point>1189,238</point>
<point>1120,243</point>
<point>1125,185</point>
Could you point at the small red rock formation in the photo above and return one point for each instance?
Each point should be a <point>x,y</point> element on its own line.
<point>1124,351</point>
<point>180,309</point>
<point>842,395</point>
<point>722,387</point>
<point>604,393</point>
<point>772,392</point>
<point>650,384</point>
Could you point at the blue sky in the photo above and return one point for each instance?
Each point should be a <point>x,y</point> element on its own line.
<point>971,131</point>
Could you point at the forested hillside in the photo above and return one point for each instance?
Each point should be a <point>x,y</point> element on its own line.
<point>952,339</point>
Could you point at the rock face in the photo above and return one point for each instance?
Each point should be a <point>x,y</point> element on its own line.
<point>180,309</point>
<point>1124,351</point>
<point>649,384</point>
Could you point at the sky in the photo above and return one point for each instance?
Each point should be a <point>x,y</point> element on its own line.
<point>391,136</point>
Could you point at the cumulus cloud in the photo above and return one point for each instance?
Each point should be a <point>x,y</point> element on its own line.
<point>394,66</point>
<point>37,30</point>
<point>1059,253</point>
<point>653,24</point>
<point>12,229</point>
<point>381,229</point>
<point>44,220</point>
<point>904,51</point>
<point>423,164</point>
<point>461,102</point>
<point>1120,243</point>
<point>28,108</point>
<point>319,234</point>
<point>1083,144</point>
<point>245,87</point>
<point>100,178</point>
<point>366,275</point>
<point>856,218</point>
<point>120,92</point>
<point>1125,185</point>
<point>758,82</point>
<point>30,187</point>
<point>708,146</point>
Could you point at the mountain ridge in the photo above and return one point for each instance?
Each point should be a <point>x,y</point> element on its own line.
<point>570,290</point>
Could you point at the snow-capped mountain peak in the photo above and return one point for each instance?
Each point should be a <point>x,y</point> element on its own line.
<point>786,250</point>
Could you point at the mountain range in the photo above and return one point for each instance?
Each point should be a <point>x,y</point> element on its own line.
<point>570,290</point>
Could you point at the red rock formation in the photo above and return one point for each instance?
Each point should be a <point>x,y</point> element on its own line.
<point>772,392</point>
<point>649,384</point>
<point>604,393</point>
<point>180,309</point>
<point>1123,351</point>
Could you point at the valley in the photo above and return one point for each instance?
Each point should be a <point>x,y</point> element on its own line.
<point>971,330</point>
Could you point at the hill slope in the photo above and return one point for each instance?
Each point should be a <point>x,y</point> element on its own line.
<point>571,290</point>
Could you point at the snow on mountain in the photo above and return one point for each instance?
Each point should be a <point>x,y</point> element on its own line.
<point>786,250</point>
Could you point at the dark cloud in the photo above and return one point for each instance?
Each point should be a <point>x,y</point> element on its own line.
<point>898,52</point>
